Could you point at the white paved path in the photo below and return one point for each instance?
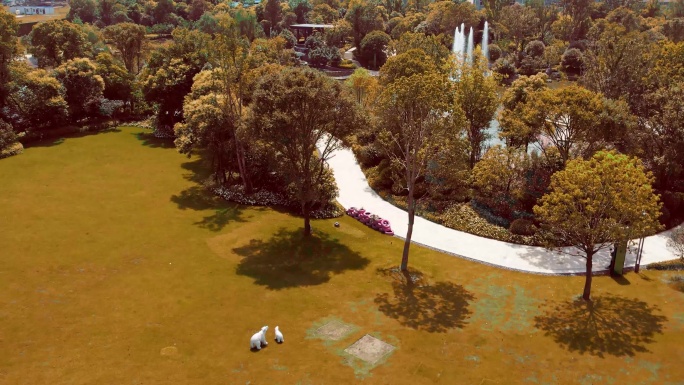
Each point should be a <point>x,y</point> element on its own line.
<point>355,192</point>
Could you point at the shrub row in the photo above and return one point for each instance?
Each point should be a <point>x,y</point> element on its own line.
<point>268,198</point>
<point>68,130</point>
<point>677,264</point>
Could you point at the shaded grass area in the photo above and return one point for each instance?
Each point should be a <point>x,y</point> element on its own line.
<point>289,259</point>
<point>610,324</point>
<point>117,267</point>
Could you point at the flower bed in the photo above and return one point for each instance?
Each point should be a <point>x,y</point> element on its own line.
<point>371,220</point>
<point>162,133</point>
<point>268,198</point>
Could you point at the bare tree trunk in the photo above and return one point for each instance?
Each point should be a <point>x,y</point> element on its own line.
<point>587,283</point>
<point>242,167</point>
<point>409,233</point>
<point>474,147</point>
<point>307,219</point>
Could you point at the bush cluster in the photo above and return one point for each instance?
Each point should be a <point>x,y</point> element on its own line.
<point>346,64</point>
<point>522,226</point>
<point>13,149</point>
<point>464,218</point>
<point>268,198</point>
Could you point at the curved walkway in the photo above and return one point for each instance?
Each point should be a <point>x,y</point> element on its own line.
<point>355,191</point>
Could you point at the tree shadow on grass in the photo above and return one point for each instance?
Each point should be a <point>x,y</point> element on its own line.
<point>221,217</point>
<point>198,198</point>
<point>288,259</point>
<point>608,324</point>
<point>434,308</point>
<point>148,139</point>
<point>198,169</point>
<point>58,136</point>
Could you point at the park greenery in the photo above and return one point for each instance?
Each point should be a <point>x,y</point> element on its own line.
<point>232,84</point>
<point>113,252</point>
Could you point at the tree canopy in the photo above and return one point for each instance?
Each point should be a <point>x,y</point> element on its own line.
<point>597,202</point>
<point>301,115</point>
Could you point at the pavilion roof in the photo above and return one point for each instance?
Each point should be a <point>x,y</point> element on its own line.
<point>312,25</point>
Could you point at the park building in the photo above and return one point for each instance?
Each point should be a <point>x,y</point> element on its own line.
<point>21,10</point>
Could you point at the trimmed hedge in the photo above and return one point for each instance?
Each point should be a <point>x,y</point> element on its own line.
<point>268,198</point>
<point>68,130</point>
<point>523,227</point>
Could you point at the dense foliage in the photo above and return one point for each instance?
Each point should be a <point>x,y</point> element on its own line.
<point>200,67</point>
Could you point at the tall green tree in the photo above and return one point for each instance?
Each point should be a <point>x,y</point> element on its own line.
<point>167,78</point>
<point>545,14</point>
<point>198,8</point>
<point>416,119</point>
<point>129,39</point>
<point>118,82</point>
<point>106,10</point>
<point>8,52</point>
<point>676,9</point>
<point>493,8</point>
<point>295,110</point>
<point>373,48</point>
<point>597,202</point>
<point>206,126</point>
<point>56,41</point>
<point>443,17</point>
<point>477,97</point>
<point>566,118</point>
<point>499,178</point>
<point>364,87</point>
<point>324,14</point>
<point>301,8</point>
<point>430,44</point>
<point>405,64</point>
<point>246,22</point>
<point>579,12</point>
<point>230,53</point>
<point>515,129</point>
<point>364,17</point>
<point>162,11</point>
<point>36,99</point>
<point>520,24</point>
<point>615,65</point>
<point>273,13</point>
<point>86,10</point>
<point>83,87</point>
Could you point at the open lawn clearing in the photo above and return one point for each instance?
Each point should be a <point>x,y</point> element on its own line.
<point>116,268</point>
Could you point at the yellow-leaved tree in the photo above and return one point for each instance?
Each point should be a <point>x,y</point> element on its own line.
<point>417,120</point>
<point>594,203</point>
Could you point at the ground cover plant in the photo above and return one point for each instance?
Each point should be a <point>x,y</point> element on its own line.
<point>117,267</point>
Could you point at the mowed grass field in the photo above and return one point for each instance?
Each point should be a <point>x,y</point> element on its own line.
<point>116,268</point>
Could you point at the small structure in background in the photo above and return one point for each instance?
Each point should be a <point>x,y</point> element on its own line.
<point>302,31</point>
<point>22,10</point>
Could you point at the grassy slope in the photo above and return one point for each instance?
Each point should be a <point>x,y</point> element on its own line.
<point>109,253</point>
